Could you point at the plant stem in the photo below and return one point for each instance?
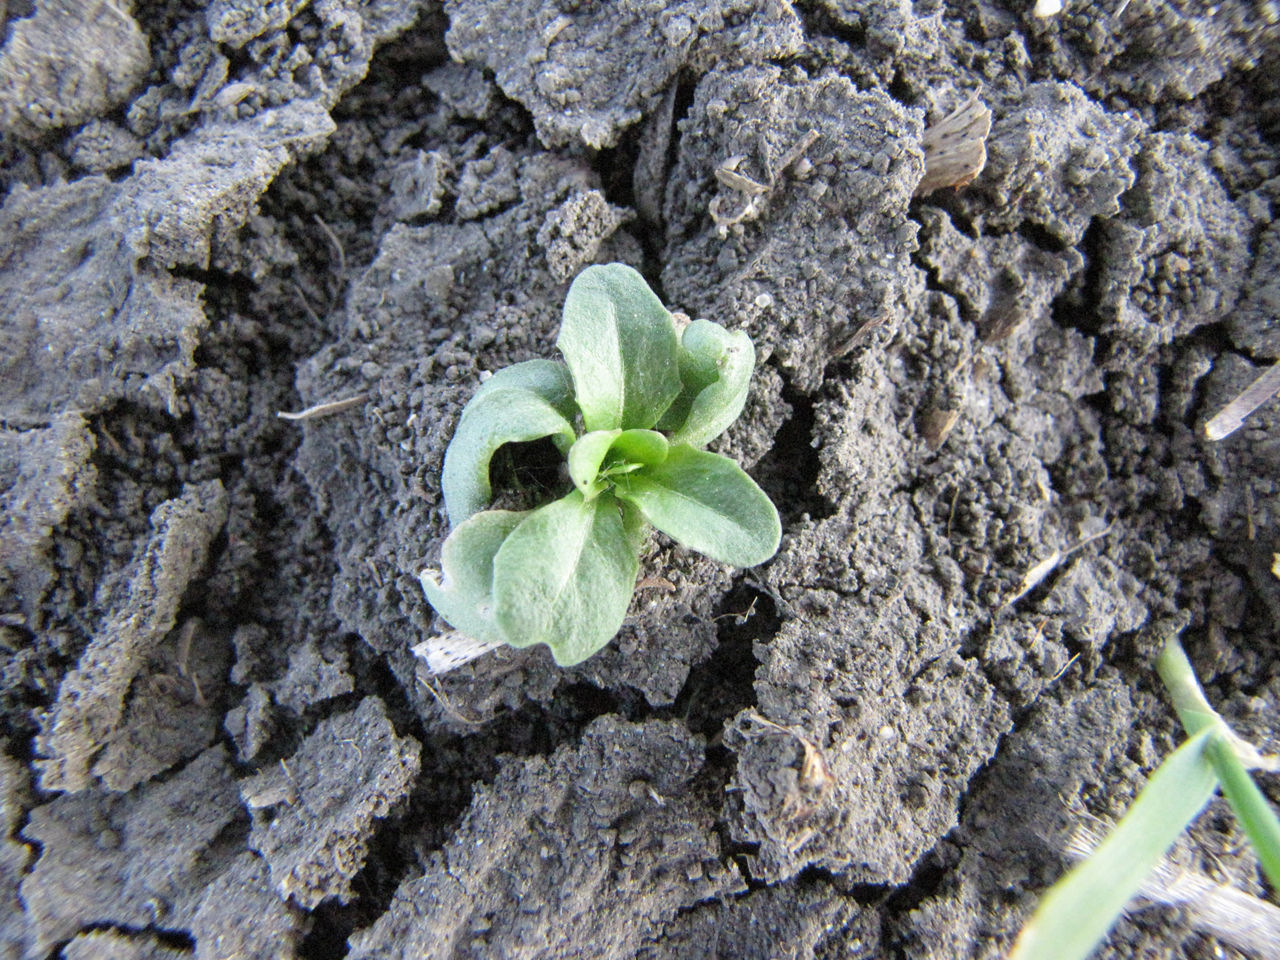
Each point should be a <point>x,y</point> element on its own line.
<point>1188,699</point>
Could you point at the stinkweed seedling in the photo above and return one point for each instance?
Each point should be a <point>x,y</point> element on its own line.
<point>630,408</point>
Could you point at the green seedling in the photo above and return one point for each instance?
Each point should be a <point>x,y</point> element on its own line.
<point>1079,909</point>
<point>630,408</point>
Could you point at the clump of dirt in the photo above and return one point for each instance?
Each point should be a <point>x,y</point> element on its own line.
<point>214,736</point>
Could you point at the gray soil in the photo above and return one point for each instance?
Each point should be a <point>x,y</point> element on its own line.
<point>214,738</point>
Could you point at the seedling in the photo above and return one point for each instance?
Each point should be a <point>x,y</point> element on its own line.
<point>630,408</point>
<point>1079,909</point>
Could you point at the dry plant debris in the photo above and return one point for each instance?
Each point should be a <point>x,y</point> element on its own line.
<point>955,148</point>
<point>323,409</point>
<point>755,191</point>
<point>1229,419</point>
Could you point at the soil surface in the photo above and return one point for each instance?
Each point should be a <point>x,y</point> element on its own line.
<point>216,741</point>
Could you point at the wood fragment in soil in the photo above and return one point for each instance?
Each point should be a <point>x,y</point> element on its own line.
<point>447,705</point>
<point>656,583</point>
<point>337,244</point>
<point>324,409</point>
<point>797,151</point>
<point>1229,419</point>
<point>754,191</point>
<point>1062,671</point>
<point>185,637</point>
<point>306,304</point>
<point>1036,575</point>
<point>727,173</point>
<point>739,618</point>
<point>955,148</point>
<point>936,425</point>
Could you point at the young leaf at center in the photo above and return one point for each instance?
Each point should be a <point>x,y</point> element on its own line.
<point>564,577</point>
<point>707,503</point>
<point>715,368</point>
<point>594,453</point>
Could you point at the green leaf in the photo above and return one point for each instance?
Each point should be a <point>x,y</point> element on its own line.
<point>1250,804</point>
<point>1227,752</point>
<point>598,452</point>
<point>1080,908</point>
<point>639,447</point>
<point>620,343</point>
<point>548,379</point>
<point>706,503</point>
<point>585,458</point>
<point>463,594</point>
<point>527,401</point>
<point>635,526</point>
<point>565,576</point>
<point>715,368</point>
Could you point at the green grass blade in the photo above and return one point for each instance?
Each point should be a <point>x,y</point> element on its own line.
<point>1255,813</point>
<point>1188,699</point>
<point>1223,752</point>
<point>1080,908</point>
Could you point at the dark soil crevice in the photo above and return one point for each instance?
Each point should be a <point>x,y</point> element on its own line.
<point>1077,307</point>
<point>179,940</point>
<point>926,883</point>
<point>723,685</point>
<point>331,924</point>
<point>789,471</point>
<point>820,21</point>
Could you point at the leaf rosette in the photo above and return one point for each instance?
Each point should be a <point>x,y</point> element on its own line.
<point>630,408</point>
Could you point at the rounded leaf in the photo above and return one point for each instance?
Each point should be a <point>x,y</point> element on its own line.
<point>565,576</point>
<point>715,367</point>
<point>707,503</point>
<point>620,344</point>
<point>527,401</point>
<point>548,379</point>
<point>463,591</point>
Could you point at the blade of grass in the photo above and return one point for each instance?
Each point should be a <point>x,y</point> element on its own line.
<point>1189,700</point>
<point>1080,908</point>
<point>1195,711</point>
<point>1247,923</point>
<point>1229,756</point>
<point>1255,813</point>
